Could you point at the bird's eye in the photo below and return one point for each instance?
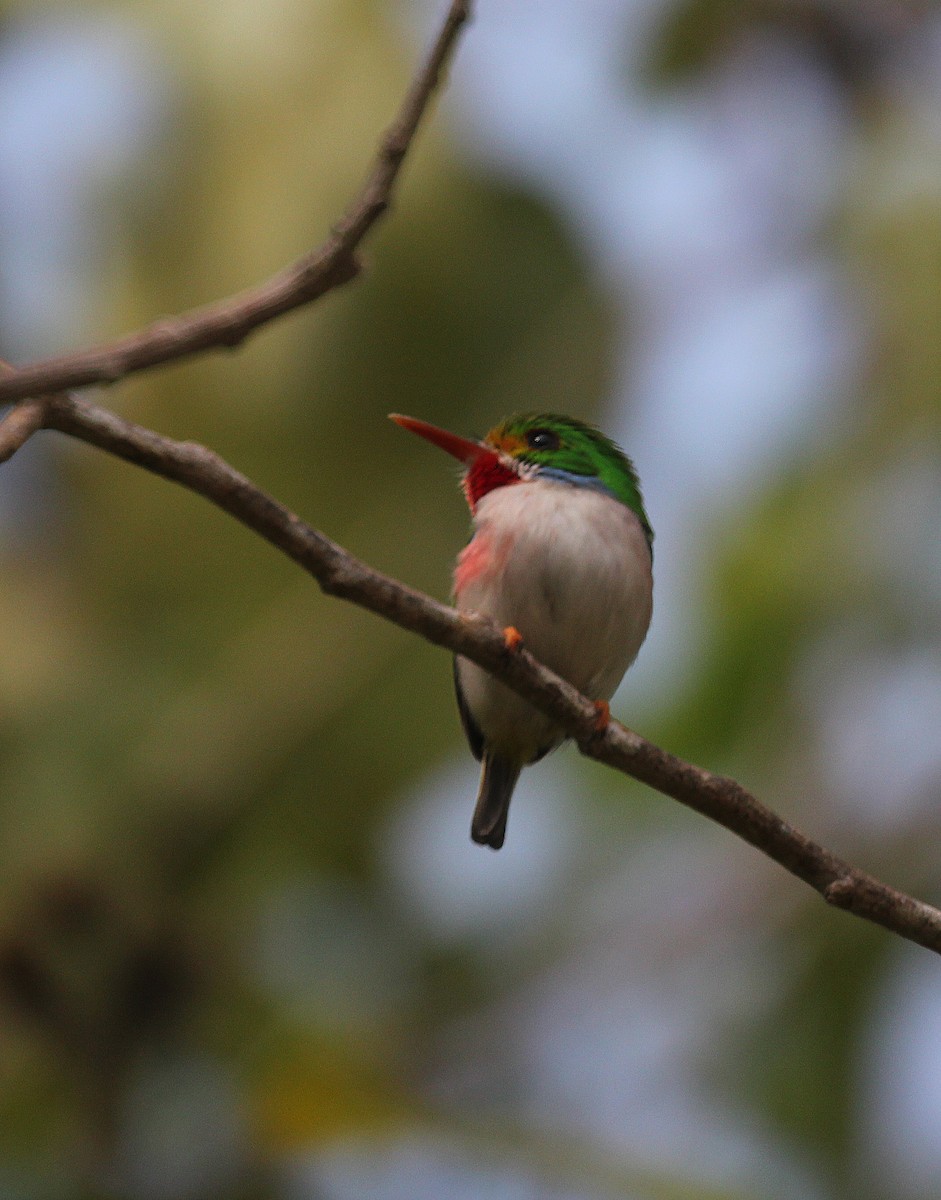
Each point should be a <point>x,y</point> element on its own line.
<point>542,439</point>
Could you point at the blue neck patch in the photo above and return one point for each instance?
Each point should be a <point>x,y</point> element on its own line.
<point>585,481</point>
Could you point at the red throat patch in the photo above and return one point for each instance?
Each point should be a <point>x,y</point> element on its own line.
<point>484,475</point>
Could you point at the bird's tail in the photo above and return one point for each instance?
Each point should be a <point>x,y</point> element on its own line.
<point>497,781</point>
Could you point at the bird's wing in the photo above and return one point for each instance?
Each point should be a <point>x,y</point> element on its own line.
<point>471,729</point>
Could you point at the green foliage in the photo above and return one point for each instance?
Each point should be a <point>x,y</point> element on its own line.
<point>694,33</point>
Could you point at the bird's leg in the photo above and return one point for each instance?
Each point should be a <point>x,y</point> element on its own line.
<point>602,715</point>
<point>512,638</point>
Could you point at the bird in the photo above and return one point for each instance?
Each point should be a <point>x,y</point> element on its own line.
<point>561,558</point>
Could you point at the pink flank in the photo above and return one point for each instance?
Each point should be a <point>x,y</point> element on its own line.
<point>479,557</point>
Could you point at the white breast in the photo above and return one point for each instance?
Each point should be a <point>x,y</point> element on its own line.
<point>569,567</point>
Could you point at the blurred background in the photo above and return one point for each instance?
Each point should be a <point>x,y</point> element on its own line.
<point>247,949</point>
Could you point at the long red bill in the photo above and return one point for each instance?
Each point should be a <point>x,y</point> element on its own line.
<point>461,448</point>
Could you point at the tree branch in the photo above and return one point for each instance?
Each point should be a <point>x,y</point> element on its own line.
<point>341,574</point>
<point>228,322</point>
<point>19,425</point>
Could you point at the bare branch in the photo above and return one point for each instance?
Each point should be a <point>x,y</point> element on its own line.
<point>227,322</point>
<point>340,574</point>
<point>19,425</point>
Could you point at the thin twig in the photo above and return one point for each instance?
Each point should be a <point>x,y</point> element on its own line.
<point>342,575</point>
<point>19,425</point>
<point>227,322</point>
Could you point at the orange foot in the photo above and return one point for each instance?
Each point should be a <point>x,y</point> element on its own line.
<point>512,638</point>
<point>602,715</point>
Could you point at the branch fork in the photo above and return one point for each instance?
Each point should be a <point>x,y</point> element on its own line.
<point>42,399</point>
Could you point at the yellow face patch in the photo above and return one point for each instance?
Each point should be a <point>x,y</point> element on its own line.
<point>507,443</point>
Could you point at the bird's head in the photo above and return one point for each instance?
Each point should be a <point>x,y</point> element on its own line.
<point>531,446</point>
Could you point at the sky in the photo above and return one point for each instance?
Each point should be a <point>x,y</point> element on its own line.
<point>703,211</point>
